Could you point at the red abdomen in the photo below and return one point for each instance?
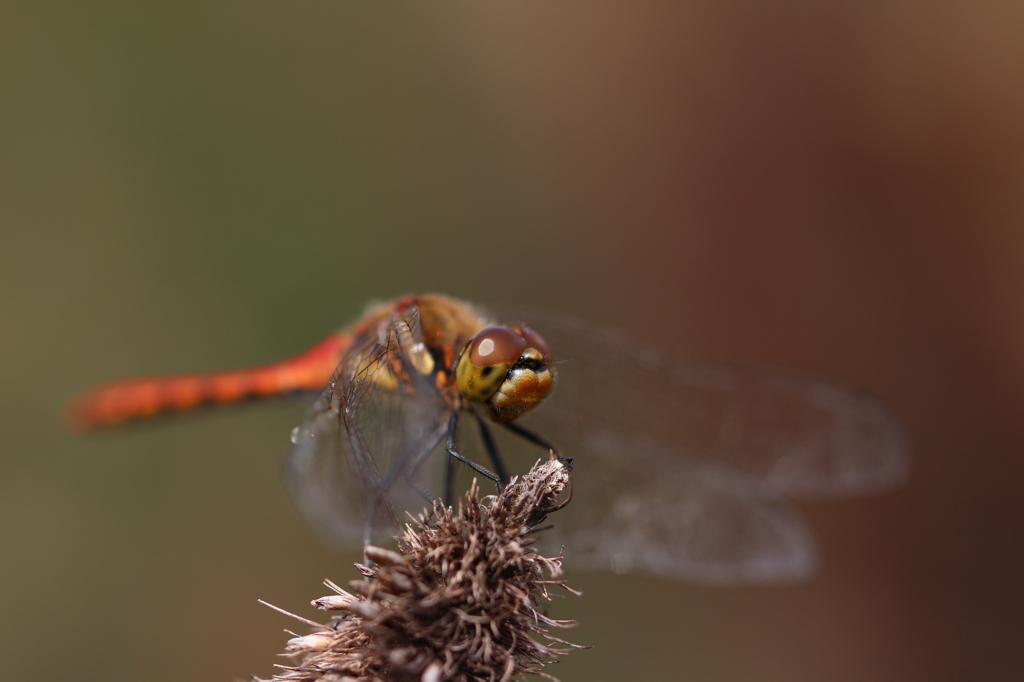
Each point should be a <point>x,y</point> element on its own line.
<point>116,402</point>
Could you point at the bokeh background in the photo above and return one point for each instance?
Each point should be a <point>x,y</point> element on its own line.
<point>835,187</point>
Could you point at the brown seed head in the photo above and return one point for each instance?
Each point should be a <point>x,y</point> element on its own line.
<point>461,600</point>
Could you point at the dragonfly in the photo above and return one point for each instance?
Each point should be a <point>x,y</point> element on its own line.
<point>683,469</point>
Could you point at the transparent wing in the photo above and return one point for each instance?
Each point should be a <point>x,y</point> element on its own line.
<point>682,468</point>
<point>796,436</point>
<point>359,459</point>
<point>679,518</point>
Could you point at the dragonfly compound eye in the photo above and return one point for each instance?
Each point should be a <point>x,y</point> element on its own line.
<point>496,346</point>
<point>507,369</point>
<point>486,361</point>
<point>535,340</point>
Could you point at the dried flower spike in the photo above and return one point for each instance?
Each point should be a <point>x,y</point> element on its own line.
<point>460,601</point>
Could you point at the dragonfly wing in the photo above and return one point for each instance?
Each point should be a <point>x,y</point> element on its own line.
<point>682,519</point>
<point>359,460</point>
<point>682,469</point>
<point>798,437</point>
<point>317,473</point>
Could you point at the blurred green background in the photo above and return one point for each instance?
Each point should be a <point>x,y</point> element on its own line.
<point>833,187</point>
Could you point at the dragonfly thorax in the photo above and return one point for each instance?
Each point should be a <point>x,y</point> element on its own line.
<point>506,369</point>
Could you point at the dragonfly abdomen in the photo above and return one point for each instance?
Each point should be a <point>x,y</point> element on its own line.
<point>120,401</point>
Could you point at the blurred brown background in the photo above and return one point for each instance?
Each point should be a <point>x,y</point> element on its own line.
<point>834,187</point>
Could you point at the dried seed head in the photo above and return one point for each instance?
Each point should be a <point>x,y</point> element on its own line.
<point>460,602</point>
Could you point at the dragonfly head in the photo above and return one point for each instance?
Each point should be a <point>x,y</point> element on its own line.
<point>507,369</point>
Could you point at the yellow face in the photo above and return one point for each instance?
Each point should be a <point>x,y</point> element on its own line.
<point>507,369</point>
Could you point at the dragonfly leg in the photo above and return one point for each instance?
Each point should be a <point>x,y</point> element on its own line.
<point>537,439</point>
<point>451,446</point>
<point>449,480</point>
<point>492,449</point>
